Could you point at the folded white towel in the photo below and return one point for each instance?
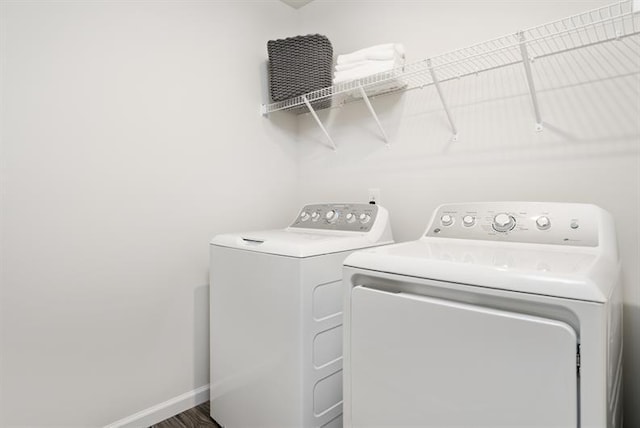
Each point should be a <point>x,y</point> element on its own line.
<point>373,67</point>
<point>379,52</point>
<point>350,66</point>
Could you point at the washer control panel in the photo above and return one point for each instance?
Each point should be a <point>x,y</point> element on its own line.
<point>533,222</point>
<point>347,217</point>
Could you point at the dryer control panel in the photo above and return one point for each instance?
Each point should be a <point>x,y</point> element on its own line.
<point>532,222</point>
<point>344,217</point>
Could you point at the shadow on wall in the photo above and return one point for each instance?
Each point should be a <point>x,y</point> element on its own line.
<point>588,101</point>
<point>631,389</point>
<point>201,335</point>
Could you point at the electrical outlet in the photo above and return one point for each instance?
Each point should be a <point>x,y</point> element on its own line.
<point>374,196</point>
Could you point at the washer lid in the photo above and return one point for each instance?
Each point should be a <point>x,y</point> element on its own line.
<point>318,229</point>
<point>297,242</point>
<point>575,273</point>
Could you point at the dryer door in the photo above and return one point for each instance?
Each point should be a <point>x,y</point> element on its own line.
<point>418,361</point>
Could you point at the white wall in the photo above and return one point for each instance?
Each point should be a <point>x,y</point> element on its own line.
<point>588,152</point>
<point>131,135</point>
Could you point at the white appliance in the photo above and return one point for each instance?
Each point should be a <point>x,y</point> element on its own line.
<point>505,314</point>
<point>276,317</point>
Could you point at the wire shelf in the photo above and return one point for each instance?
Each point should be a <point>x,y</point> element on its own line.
<point>598,26</point>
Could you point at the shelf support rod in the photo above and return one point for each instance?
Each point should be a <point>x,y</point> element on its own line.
<point>532,88</point>
<point>373,113</point>
<point>436,82</point>
<point>315,116</point>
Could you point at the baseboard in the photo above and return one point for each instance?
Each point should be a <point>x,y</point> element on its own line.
<point>162,411</point>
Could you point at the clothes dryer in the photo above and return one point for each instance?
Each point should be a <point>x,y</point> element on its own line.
<point>276,317</point>
<point>505,314</point>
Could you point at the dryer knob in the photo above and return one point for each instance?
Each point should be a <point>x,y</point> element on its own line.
<point>446,220</point>
<point>351,217</point>
<point>503,222</point>
<point>315,216</point>
<point>543,223</point>
<point>304,216</point>
<point>468,220</point>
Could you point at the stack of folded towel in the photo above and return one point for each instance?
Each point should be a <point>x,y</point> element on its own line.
<point>368,61</point>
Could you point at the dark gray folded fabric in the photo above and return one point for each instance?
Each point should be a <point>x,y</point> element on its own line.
<point>298,65</point>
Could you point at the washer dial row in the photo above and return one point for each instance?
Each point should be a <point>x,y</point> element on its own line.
<point>332,216</point>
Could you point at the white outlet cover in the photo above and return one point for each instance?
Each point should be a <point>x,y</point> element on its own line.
<point>374,195</point>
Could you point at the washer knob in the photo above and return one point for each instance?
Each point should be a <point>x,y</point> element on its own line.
<point>446,220</point>
<point>315,216</point>
<point>364,218</point>
<point>503,222</point>
<point>304,216</point>
<point>468,220</point>
<point>331,216</point>
<point>351,217</point>
<point>543,222</point>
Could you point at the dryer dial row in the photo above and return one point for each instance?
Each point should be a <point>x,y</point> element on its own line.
<point>533,222</point>
<point>502,222</point>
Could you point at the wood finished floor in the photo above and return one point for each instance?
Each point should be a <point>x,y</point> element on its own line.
<point>198,417</point>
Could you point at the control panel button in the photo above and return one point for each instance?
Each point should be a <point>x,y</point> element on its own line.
<point>468,220</point>
<point>503,222</point>
<point>351,217</point>
<point>543,223</point>
<point>446,220</point>
<point>304,216</point>
<point>364,218</point>
<point>331,216</point>
<point>315,216</point>
<point>574,224</point>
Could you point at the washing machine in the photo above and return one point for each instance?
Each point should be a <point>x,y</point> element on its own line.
<point>276,317</point>
<point>505,314</point>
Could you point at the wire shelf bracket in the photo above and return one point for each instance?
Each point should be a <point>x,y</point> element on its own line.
<point>363,93</point>
<point>526,61</point>
<point>436,83</point>
<point>319,122</point>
